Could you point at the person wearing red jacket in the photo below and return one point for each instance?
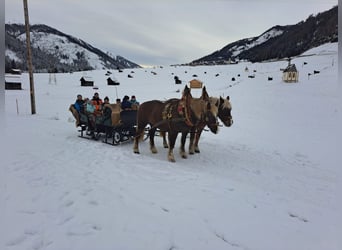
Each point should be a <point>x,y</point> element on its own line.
<point>97,102</point>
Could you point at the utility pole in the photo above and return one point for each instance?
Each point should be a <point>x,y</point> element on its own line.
<point>29,58</point>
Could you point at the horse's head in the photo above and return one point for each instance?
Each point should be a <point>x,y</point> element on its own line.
<point>211,111</point>
<point>225,111</point>
<point>211,117</point>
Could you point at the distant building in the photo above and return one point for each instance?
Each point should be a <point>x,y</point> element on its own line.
<point>110,81</point>
<point>196,84</point>
<point>290,74</point>
<point>13,80</point>
<point>87,81</point>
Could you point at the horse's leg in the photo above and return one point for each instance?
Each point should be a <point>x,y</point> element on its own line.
<point>165,144</point>
<point>152,146</point>
<point>138,136</point>
<point>182,147</point>
<point>197,137</point>
<point>172,140</point>
<point>191,143</point>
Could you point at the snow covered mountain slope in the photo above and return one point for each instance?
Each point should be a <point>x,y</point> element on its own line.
<point>279,41</point>
<point>55,51</point>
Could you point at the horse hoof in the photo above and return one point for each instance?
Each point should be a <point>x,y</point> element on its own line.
<point>183,155</point>
<point>171,157</point>
<point>197,151</point>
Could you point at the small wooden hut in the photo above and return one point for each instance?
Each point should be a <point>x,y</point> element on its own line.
<point>196,84</point>
<point>290,74</point>
<point>12,81</point>
<point>110,81</point>
<point>87,81</point>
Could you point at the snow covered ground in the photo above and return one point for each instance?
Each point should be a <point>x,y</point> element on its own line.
<point>271,181</point>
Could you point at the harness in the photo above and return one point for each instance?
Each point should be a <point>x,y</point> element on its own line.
<point>183,109</point>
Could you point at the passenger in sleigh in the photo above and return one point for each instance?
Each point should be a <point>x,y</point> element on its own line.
<point>106,108</point>
<point>76,108</point>
<point>90,112</point>
<point>134,103</point>
<point>97,102</point>
<point>79,104</point>
<point>105,101</point>
<point>126,104</point>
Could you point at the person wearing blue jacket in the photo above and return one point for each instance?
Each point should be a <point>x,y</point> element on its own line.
<point>79,104</point>
<point>126,104</point>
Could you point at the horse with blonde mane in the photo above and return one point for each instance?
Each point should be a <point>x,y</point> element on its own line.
<point>223,113</point>
<point>173,116</point>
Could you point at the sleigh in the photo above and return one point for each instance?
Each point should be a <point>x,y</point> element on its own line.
<point>113,125</point>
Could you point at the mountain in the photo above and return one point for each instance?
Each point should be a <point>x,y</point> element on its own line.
<point>52,50</point>
<point>279,41</point>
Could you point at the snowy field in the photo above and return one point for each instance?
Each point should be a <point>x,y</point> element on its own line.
<point>272,181</point>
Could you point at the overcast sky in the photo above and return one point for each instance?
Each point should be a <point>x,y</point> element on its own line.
<point>164,32</point>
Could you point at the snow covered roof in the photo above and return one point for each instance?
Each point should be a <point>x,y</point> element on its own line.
<point>9,78</point>
<point>15,71</point>
<point>87,78</point>
<point>291,68</point>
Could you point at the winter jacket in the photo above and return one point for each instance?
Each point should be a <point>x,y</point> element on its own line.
<point>90,107</point>
<point>126,104</point>
<point>79,105</point>
<point>97,102</point>
<point>134,102</point>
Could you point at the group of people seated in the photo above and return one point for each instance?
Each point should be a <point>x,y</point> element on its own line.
<point>128,104</point>
<point>95,105</point>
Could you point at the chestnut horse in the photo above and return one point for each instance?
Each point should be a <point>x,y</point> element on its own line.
<point>225,115</point>
<point>197,130</point>
<point>173,116</point>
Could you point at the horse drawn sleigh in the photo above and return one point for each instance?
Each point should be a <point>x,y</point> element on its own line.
<point>112,124</point>
<point>185,115</point>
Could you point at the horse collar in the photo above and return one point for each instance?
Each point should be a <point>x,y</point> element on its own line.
<point>184,110</point>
